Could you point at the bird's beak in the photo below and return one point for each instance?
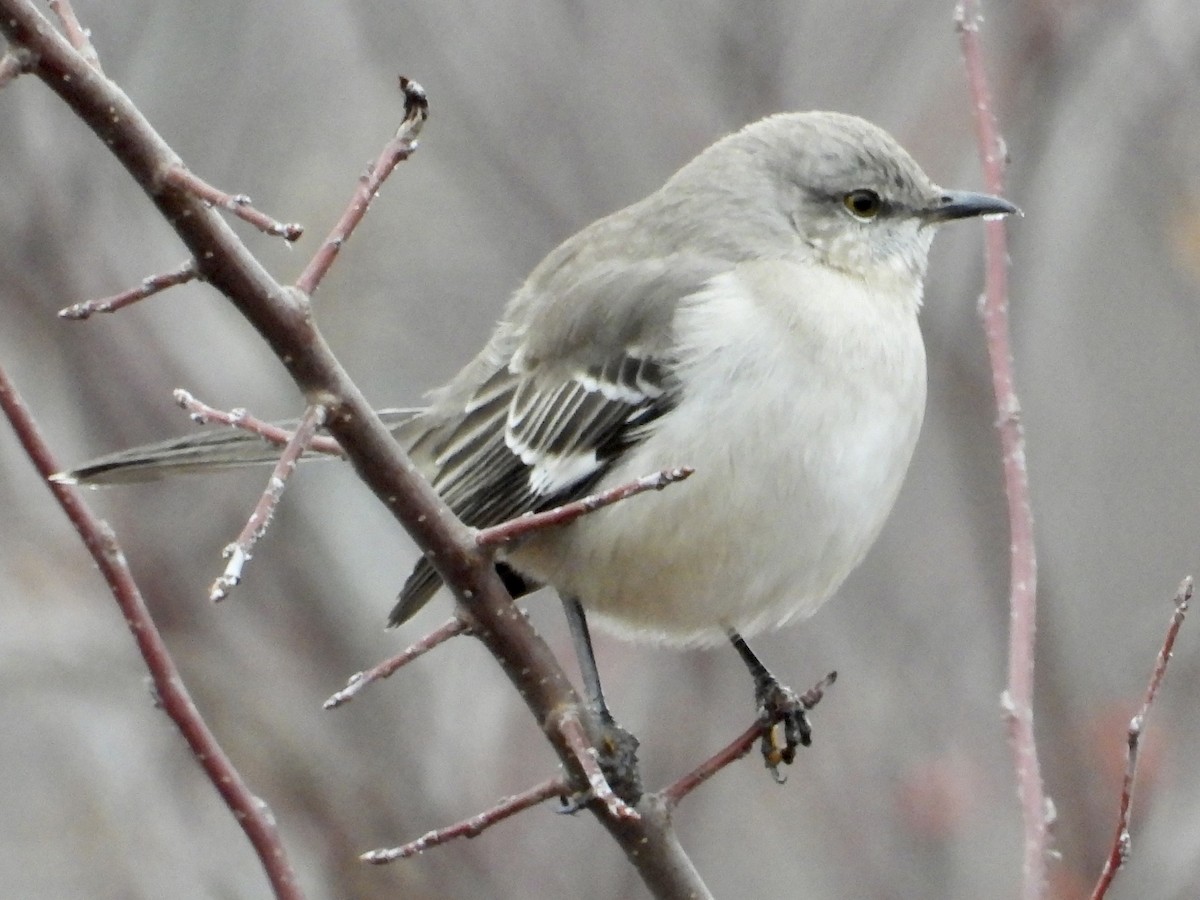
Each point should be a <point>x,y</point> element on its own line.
<point>967,205</point>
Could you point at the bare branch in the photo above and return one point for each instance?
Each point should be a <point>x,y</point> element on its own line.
<point>250,812</point>
<point>80,37</point>
<point>283,319</point>
<point>515,529</point>
<point>203,414</point>
<point>238,204</point>
<point>1018,696</point>
<point>150,286</point>
<point>238,553</point>
<point>1122,844</point>
<point>388,667</point>
<point>736,749</point>
<point>474,826</point>
<point>402,145</point>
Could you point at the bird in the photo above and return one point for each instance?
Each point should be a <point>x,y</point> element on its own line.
<point>755,319</point>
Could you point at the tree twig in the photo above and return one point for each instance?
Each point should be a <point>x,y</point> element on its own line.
<point>735,749</point>
<point>238,553</point>
<point>250,812</point>
<point>402,145</point>
<point>239,204</point>
<point>150,286</point>
<point>1122,844</point>
<point>515,529</point>
<point>203,414</point>
<point>474,826</point>
<point>1018,696</point>
<point>452,628</point>
<point>80,37</point>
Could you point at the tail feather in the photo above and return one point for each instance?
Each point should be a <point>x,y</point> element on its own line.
<point>205,451</point>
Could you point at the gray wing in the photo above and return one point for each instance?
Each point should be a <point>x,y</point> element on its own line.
<point>528,441</point>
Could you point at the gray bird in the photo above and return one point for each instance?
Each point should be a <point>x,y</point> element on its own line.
<point>755,318</point>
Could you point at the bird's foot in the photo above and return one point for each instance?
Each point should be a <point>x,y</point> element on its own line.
<point>784,713</point>
<point>616,754</point>
<point>781,710</point>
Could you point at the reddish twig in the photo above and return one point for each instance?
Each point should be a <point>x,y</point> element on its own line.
<point>736,749</point>
<point>1018,696</point>
<point>516,529</point>
<point>238,204</point>
<point>203,414</point>
<point>248,810</point>
<point>388,667</point>
<point>79,37</point>
<point>1122,843</point>
<point>474,826</point>
<point>150,286</point>
<point>402,145</point>
<point>238,553</point>
<point>585,755</point>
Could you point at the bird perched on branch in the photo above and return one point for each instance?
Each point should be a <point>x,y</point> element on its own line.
<point>756,319</point>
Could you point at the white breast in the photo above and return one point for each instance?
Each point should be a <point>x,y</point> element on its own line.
<point>804,394</point>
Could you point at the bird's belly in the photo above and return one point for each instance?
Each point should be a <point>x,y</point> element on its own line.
<point>768,527</point>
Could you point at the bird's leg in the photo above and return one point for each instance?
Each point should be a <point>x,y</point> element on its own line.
<point>777,704</point>
<point>617,747</point>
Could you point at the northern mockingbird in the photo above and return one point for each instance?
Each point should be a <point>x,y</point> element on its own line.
<point>755,318</point>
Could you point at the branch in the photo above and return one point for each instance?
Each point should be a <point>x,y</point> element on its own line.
<point>238,204</point>
<point>1122,844</point>
<point>736,749</point>
<point>250,812</point>
<point>238,553</point>
<point>203,414</point>
<point>388,667</point>
<point>474,826</point>
<point>282,317</point>
<point>515,529</point>
<point>1018,696</point>
<point>80,37</point>
<point>150,286</point>
<point>402,145</point>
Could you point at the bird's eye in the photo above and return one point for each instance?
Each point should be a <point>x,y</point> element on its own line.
<point>863,204</point>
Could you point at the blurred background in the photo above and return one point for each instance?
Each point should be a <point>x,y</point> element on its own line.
<point>545,116</point>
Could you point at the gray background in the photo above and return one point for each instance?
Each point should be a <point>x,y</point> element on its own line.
<point>545,116</point>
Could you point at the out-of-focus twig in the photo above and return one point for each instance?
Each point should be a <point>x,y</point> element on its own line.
<point>250,812</point>
<point>388,667</point>
<point>1018,696</point>
<point>474,826</point>
<point>238,553</point>
<point>150,286</point>
<point>402,145</point>
<point>1122,844</point>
